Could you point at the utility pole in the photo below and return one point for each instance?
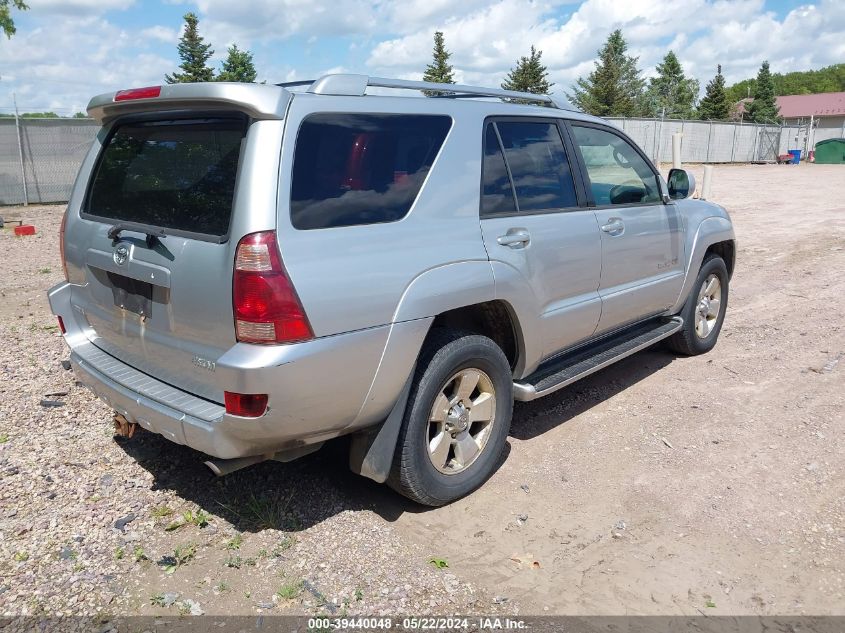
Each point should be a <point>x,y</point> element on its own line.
<point>20,151</point>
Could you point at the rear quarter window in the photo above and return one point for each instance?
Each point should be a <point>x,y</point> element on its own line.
<point>354,169</point>
<point>176,174</point>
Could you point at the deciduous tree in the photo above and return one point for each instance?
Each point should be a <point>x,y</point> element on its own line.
<point>6,21</point>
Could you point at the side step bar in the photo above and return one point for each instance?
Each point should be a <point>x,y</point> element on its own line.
<point>568,368</point>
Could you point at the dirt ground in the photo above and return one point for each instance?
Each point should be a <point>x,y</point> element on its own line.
<point>662,485</point>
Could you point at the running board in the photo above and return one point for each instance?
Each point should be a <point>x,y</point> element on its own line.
<point>570,367</point>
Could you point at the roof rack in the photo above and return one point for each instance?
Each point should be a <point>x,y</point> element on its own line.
<point>356,86</point>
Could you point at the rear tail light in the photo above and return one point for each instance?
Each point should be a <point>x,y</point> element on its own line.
<point>62,243</point>
<point>266,306</point>
<point>149,92</point>
<point>62,325</point>
<point>245,405</point>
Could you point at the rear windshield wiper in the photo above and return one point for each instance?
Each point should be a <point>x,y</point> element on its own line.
<point>152,233</point>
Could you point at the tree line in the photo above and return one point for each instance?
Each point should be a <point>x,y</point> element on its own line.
<point>616,87</point>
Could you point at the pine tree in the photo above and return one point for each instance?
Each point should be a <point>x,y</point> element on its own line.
<point>439,71</point>
<point>671,92</point>
<point>238,66</point>
<point>194,54</point>
<point>615,87</point>
<point>529,75</point>
<point>715,105</point>
<point>764,109</point>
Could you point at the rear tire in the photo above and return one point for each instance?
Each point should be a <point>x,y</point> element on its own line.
<point>704,311</point>
<point>456,421</point>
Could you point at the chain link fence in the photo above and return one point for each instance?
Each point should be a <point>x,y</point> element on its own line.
<point>50,151</point>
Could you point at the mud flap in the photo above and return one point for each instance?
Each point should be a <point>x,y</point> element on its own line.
<point>371,452</point>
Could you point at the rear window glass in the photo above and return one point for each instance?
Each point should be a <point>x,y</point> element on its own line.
<point>352,169</point>
<point>172,174</point>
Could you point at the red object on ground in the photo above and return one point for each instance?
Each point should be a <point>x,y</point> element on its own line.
<point>26,229</point>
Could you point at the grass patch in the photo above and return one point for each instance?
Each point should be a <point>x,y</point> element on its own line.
<point>161,512</point>
<point>118,553</point>
<point>235,542</point>
<point>284,545</point>
<point>44,271</point>
<point>4,437</point>
<point>264,513</point>
<point>290,590</point>
<point>198,518</point>
<point>21,556</point>
<point>138,554</point>
<point>157,600</point>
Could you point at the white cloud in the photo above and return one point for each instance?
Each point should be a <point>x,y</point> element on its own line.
<point>161,33</point>
<point>739,34</point>
<point>72,51</point>
<point>62,62</point>
<point>78,7</point>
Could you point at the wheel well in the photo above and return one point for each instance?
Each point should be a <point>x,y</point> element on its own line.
<point>727,251</point>
<point>492,319</point>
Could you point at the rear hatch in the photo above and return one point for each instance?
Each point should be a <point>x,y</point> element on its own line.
<point>155,235</point>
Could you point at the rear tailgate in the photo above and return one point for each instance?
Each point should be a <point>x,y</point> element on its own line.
<point>152,230</point>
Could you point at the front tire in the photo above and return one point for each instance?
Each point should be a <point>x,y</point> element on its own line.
<point>457,419</point>
<point>704,311</point>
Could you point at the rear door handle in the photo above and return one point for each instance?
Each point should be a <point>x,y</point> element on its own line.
<point>614,226</point>
<point>515,238</point>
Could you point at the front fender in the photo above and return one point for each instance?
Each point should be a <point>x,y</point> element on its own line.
<point>710,230</point>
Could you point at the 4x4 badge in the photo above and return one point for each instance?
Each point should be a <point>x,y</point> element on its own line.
<point>121,254</point>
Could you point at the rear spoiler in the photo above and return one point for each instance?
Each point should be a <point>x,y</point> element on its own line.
<point>259,101</point>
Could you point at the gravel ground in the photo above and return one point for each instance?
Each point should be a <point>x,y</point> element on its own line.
<point>661,485</point>
<point>92,524</point>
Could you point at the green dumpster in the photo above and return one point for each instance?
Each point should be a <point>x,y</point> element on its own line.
<point>831,151</point>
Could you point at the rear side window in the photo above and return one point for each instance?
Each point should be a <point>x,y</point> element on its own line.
<point>176,174</point>
<point>538,164</point>
<point>352,169</point>
<point>497,195</point>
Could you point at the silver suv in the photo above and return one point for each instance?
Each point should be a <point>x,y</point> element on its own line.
<point>253,270</point>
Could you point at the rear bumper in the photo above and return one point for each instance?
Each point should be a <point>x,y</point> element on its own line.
<point>316,389</point>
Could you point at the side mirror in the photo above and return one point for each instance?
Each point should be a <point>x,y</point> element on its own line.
<point>681,184</point>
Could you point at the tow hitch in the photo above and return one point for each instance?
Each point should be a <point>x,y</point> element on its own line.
<point>123,427</point>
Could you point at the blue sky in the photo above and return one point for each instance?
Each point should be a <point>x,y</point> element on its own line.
<point>68,50</point>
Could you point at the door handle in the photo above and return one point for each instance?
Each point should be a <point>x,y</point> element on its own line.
<point>514,238</point>
<point>614,226</point>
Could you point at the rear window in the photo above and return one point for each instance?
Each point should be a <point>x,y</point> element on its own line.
<point>352,169</point>
<point>176,174</point>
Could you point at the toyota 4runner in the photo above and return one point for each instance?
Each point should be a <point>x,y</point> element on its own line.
<point>252,270</point>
